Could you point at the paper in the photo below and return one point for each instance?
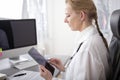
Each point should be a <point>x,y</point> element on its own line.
<point>30,75</point>
<point>22,59</point>
<point>25,64</point>
<point>3,76</point>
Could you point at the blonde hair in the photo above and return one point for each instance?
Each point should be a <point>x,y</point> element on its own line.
<point>89,8</point>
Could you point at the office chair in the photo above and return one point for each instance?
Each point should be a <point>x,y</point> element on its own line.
<point>114,47</point>
<point>5,26</point>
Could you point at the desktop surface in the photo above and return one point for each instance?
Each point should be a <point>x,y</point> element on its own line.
<point>26,75</point>
<point>9,69</point>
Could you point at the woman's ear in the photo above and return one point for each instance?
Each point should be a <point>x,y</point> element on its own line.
<point>82,15</point>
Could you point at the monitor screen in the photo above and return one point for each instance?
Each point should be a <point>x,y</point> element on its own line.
<point>17,34</point>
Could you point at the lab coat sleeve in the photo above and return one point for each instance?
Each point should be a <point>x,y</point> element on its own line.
<point>56,78</point>
<point>94,68</point>
<point>91,69</point>
<point>92,65</point>
<point>61,77</point>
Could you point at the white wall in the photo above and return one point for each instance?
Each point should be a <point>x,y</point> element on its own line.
<point>61,36</point>
<point>10,10</point>
<point>113,5</point>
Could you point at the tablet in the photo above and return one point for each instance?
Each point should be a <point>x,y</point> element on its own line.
<point>40,59</point>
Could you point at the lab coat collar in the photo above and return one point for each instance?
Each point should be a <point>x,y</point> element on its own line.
<point>86,33</point>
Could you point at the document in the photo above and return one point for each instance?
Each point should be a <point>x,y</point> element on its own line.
<point>26,75</point>
<point>25,64</point>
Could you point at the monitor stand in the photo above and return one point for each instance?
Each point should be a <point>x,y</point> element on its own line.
<point>23,62</point>
<point>18,60</point>
<point>15,58</point>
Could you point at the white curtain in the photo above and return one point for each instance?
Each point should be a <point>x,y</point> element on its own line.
<point>105,9</point>
<point>103,17</point>
<point>37,9</point>
<point>113,5</point>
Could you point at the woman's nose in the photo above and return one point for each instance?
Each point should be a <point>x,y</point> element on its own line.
<point>65,20</point>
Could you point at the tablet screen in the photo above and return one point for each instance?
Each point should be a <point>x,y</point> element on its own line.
<point>40,59</point>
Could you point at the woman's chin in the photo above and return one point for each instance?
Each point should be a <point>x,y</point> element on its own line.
<point>73,29</point>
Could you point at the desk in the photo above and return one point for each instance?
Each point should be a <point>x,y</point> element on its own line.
<point>7,68</point>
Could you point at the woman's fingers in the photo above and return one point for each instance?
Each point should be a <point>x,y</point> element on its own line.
<point>54,62</point>
<point>45,73</point>
<point>57,63</point>
<point>42,70</point>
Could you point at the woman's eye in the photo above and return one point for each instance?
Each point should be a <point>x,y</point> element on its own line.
<point>67,15</point>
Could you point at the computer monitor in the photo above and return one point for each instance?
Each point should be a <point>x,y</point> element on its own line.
<point>21,35</point>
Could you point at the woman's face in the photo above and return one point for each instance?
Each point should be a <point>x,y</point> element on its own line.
<point>72,18</point>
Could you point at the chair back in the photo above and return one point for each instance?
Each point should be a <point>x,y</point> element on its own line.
<point>114,46</point>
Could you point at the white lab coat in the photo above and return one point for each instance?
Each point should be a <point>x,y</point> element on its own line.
<point>90,62</point>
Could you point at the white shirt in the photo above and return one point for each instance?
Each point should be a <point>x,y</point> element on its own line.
<point>90,62</point>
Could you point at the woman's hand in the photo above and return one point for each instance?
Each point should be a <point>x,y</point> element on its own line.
<point>57,63</point>
<point>45,73</point>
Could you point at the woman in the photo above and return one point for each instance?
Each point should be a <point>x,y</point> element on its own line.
<point>90,60</point>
